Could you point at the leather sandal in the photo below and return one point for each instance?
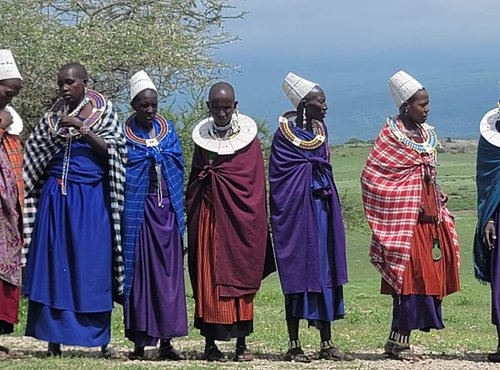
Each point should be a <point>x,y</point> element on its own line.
<point>404,353</point>
<point>334,354</point>
<point>494,357</point>
<point>297,355</point>
<point>213,353</point>
<point>170,353</point>
<point>110,353</point>
<point>243,354</point>
<point>136,354</point>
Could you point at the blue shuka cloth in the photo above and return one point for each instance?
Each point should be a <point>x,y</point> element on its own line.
<point>168,154</point>
<point>488,200</point>
<point>69,270</point>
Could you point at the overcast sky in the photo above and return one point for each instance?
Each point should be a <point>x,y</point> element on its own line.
<point>360,26</point>
<point>352,47</point>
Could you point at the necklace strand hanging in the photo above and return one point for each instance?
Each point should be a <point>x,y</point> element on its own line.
<point>98,103</point>
<point>233,126</point>
<point>60,108</point>
<point>151,142</point>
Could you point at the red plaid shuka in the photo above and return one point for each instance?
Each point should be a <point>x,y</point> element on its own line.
<point>391,183</point>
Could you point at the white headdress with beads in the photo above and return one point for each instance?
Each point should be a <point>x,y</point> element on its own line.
<point>8,67</point>
<point>140,82</point>
<point>296,88</point>
<point>403,87</point>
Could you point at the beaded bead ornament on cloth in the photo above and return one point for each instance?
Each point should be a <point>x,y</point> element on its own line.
<point>60,107</point>
<point>428,146</point>
<point>318,130</point>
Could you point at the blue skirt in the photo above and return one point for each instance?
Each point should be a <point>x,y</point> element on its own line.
<point>69,268</point>
<point>327,306</point>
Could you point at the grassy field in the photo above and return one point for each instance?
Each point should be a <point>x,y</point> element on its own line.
<point>365,327</point>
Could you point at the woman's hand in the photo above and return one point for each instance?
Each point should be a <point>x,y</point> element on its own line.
<point>489,235</point>
<point>443,197</point>
<point>5,119</point>
<point>68,121</point>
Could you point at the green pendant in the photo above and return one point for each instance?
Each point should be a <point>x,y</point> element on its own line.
<point>436,252</point>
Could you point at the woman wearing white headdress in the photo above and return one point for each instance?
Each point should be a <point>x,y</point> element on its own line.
<point>414,244</point>
<point>486,254</point>
<point>306,219</point>
<point>153,225</point>
<point>11,195</point>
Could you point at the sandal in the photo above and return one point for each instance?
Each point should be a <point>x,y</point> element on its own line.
<point>388,347</point>
<point>109,353</point>
<point>136,354</point>
<point>170,353</point>
<point>243,354</point>
<point>494,357</point>
<point>334,354</point>
<point>297,355</point>
<point>212,353</point>
<point>54,350</point>
<point>404,353</point>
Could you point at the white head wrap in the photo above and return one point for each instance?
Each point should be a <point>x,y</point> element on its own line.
<point>403,87</point>
<point>8,67</point>
<point>140,82</point>
<point>296,88</point>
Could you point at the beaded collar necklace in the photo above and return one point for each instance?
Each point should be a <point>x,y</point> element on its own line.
<point>428,146</point>
<point>312,144</point>
<point>153,143</point>
<point>132,136</point>
<point>60,107</point>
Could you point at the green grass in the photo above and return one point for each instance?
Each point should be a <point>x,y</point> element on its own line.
<point>366,324</point>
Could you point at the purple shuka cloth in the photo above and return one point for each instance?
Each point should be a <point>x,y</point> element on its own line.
<point>495,277</point>
<point>412,312</point>
<point>328,305</point>
<point>293,219</point>
<point>156,308</point>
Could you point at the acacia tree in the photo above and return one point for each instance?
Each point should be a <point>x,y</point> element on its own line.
<point>173,40</point>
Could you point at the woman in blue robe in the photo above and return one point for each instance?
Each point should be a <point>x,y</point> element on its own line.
<point>74,169</point>
<point>153,224</point>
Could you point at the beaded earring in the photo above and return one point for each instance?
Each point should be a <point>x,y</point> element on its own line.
<point>304,117</point>
<point>236,116</point>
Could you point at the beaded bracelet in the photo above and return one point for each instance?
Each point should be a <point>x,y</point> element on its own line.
<point>491,221</point>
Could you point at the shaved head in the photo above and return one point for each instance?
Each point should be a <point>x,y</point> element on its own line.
<point>221,88</point>
<point>79,70</point>
<point>221,103</point>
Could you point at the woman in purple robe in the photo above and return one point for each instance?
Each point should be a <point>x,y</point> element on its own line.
<point>153,224</point>
<point>308,230</point>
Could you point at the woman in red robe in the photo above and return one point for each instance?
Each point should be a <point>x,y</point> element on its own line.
<point>227,223</point>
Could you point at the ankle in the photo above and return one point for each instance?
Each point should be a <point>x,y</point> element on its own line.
<point>294,343</point>
<point>165,343</point>
<point>139,350</point>
<point>210,344</point>
<point>326,344</point>
<point>399,339</point>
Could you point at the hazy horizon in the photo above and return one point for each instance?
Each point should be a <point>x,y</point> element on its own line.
<point>352,49</point>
